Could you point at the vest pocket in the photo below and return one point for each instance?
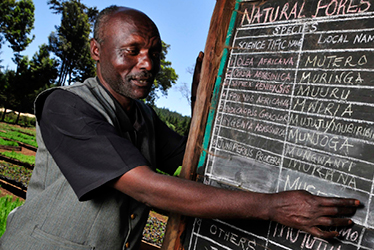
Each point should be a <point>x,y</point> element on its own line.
<point>55,242</point>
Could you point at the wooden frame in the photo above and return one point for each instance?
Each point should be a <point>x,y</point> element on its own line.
<point>212,56</point>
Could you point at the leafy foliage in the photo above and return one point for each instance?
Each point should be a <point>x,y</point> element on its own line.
<point>165,78</point>
<point>8,143</point>
<point>11,118</point>
<point>71,41</point>
<point>154,231</point>
<point>174,120</point>
<point>21,137</point>
<point>16,173</point>
<point>6,206</point>
<point>18,89</point>
<point>16,23</point>
<point>27,131</point>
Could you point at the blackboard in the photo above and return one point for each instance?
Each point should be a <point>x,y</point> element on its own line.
<point>292,108</point>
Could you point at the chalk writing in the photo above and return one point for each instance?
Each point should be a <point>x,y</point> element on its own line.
<point>296,111</point>
<point>334,61</point>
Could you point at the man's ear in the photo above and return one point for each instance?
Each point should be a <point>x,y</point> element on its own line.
<point>95,49</point>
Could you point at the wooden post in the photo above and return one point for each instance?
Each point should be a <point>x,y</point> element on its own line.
<point>213,52</point>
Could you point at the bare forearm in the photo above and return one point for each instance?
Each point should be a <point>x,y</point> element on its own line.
<point>195,199</point>
<point>297,209</point>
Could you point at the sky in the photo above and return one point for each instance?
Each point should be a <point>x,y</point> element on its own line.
<point>183,24</point>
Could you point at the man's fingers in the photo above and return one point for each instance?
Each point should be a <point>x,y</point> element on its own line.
<point>339,202</point>
<point>337,211</point>
<point>333,222</point>
<point>315,231</point>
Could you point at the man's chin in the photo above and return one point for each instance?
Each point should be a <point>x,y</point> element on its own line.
<point>139,95</point>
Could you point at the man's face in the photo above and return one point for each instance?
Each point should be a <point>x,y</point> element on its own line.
<point>130,55</point>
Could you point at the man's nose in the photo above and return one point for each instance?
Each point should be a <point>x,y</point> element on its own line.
<point>145,62</point>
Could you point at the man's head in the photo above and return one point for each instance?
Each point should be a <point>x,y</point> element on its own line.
<point>127,47</point>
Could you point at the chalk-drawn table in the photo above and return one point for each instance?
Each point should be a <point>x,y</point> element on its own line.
<point>295,110</point>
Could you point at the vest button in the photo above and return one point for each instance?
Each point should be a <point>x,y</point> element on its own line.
<point>132,216</point>
<point>127,245</point>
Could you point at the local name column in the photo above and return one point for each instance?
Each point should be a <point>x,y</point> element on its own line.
<point>329,142</point>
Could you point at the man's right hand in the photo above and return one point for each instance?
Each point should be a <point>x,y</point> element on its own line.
<point>307,212</point>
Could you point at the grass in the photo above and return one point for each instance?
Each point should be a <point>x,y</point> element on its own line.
<point>29,159</point>
<point>6,206</point>
<point>8,143</point>
<point>19,136</point>
<point>11,127</point>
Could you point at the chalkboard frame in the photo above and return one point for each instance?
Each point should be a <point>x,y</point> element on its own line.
<point>218,84</point>
<point>214,46</point>
<point>216,91</point>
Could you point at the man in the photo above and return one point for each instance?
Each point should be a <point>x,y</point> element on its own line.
<point>95,178</point>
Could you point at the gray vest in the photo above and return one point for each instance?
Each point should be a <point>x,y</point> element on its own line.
<point>53,218</point>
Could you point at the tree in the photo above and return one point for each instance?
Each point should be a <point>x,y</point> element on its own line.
<point>71,41</point>
<point>174,120</point>
<point>16,83</point>
<point>165,78</point>
<point>43,69</point>
<point>18,89</point>
<point>16,23</point>
<point>6,97</point>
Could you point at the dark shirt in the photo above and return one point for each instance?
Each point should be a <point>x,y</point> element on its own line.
<point>88,149</point>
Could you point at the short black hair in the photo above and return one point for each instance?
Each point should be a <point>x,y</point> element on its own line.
<point>101,19</point>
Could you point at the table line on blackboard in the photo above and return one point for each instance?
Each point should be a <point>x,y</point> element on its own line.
<point>196,222</point>
<point>308,20</point>
<point>299,112</point>
<point>239,186</point>
<point>248,51</point>
<point>295,127</point>
<point>215,242</point>
<point>267,239</point>
<point>199,235</point>
<point>306,33</point>
<point>303,69</point>
<point>277,82</point>
<point>240,90</point>
<point>293,144</point>
<point>369,202</point>
<point>252,234</point>
<point>298,34</point>
<point>210,240</point>
<point>349,159</point>
<point>275,243</point>
<point>311,98</point>
<point>248,233</point>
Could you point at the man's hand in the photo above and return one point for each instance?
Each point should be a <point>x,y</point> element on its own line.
<point>307,212</point>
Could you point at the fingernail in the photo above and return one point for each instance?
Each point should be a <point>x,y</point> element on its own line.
<point>357,202</point>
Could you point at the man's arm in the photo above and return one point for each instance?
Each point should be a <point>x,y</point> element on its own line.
<point>298,209</point>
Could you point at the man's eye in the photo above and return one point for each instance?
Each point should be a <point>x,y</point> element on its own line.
<point>130,51</point>
<point>156,54</point>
